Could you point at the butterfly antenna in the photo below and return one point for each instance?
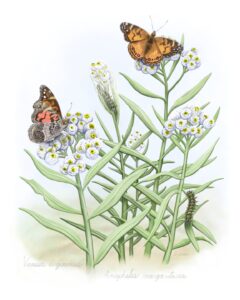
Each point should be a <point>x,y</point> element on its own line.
<point>151,22</point>
<point>162,26</point>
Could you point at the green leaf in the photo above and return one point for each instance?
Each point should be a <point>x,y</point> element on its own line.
<point>190,94</point>
<point>55,226</point>
<point>129,129</point>
<point>117,193</point>
<point>186,242</point>
<point>49,173</point>
<point>139,88</point>
<point>104,127</point>
<point>118,233</point>
<point>201,161</point>
<point>204,230</point>
<point>191,236</point>
<point>142,115</point>
<point>51,200</point>
<point>160,215</point>
<point>100,164</point>
<point>159,117</point>
<point>131,152</point>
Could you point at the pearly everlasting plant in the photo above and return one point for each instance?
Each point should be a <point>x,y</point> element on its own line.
<point>145,196</point>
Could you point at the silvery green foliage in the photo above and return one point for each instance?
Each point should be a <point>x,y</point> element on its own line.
<point>137,189</point>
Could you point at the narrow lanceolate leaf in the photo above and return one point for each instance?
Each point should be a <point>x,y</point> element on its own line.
<point>117,192</point>
<point>139,88</point>
<point>100,164</point>
<point>190,94</point>
<point>204,230</point>
<point>160,215</point>
<point>104,127</point>
<point>129,129</point>
<point>155,176</point>
<point>129,151</point>
<point>142,115</point>
<point>51,200</point>
<point>191,236</point>
<point>118,233</point>
<point>201,161</point>
<point>159,117</point>
<point>186,242</point>
<point>49,173</point>
<point>55,226</point>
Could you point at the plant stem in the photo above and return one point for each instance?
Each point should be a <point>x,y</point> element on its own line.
<point>170,245</point>
<point>124,214</point>
<point>148,247</point>
<point>88,233</point>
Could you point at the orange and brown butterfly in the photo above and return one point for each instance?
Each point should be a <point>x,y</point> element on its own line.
<point>47,119</point>
<point>147,47</point>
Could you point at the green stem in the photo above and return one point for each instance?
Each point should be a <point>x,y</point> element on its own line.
<point>179,79</point>
<point>170,245</point>
<point>148,247</point>
<point>88,233</point>
<point>124,213</point>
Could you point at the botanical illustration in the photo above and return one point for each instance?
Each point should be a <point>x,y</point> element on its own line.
<point>143,198</point>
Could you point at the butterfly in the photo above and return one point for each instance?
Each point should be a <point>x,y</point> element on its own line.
<point>147,47</point>
<point>47,119</point>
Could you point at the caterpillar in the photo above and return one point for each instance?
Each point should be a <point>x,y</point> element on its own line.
<point>191,206</point>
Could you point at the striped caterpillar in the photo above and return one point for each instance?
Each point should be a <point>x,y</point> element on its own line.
<point>191,206</point>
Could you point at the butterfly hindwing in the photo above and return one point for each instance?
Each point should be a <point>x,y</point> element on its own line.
<point>47,117</point>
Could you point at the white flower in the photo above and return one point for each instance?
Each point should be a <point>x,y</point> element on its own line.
<point>199,132</point>
<point>80,147</point>
<point>97,143</point>
<point>78,115</point>
<point>81,166</point>
<point>68,115</point>
<point>208,123</point>
<point>194,120</point>
<point>152,69</point>
<point>51,158</point>
<point>166,133</point>
<point>88,126</point>
<point>191,65</point>
<point>77,156</point>
<point>145,69</point>
<point>70,139</point>
<point>194,50</point>
<point>185,61</point>
<point>73,170</point>
<point>81,126</point>
<point>64,141</point>
<point>91,134</point>
<point>196,110</point>
<point>42,150</point>
<point>185,131</point>
<point>72,129</point>
<point>69,160</point>
<point>64,169</point>
<point>186,113</point>
<point>87,118</point>
<point>193,130</point>
<point>138,65</point>
<point>92,153</point>
<point>197,60</point>
<point>56,144</point>
<point>180,124</point>
<point>73,119</point>
<point>169,125</point>
<point>203,117</point>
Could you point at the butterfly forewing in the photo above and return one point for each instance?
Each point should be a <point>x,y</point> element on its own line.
<point>133,33</point>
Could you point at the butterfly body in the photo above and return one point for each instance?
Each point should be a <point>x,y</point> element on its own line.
<point>46,117</point>
<point>147,47</point>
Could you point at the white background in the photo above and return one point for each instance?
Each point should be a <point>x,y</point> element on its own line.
<point>53,42</point>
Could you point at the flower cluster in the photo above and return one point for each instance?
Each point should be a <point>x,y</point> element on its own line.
<point>134,137</point>
<point>104,83</point>
<point>190,121</point>
<point>190,59</point>
<point>81,136</point>
<point>152,69</point>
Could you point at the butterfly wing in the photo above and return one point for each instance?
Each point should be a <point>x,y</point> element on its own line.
<point>168,47</point>
<point>137,49</point>
<point>47,117</point>
<point>133,33</point>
